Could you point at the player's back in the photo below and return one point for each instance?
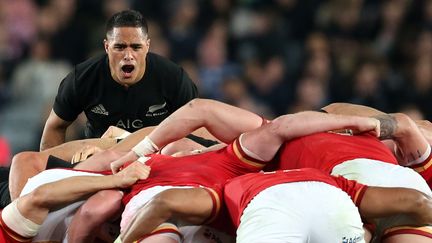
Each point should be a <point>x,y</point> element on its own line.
<point>238,192</point>
<point>210,169</point>
<point>326,150</point>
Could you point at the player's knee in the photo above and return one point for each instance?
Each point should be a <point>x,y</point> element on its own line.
<point>26,160</point>
<point>107,204</point>
<point>163,203</point>
<point>40,197</point>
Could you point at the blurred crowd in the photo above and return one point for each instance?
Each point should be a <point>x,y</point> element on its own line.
<point>268,56</point>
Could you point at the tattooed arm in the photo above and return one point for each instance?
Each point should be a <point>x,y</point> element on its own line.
<point>411,145</point>
<point>388,125</point>
<point>410,138</point>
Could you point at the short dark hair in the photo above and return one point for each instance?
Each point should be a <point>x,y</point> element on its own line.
<point>127,18</point>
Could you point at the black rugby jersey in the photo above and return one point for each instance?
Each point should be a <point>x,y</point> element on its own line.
<point>164,88</point>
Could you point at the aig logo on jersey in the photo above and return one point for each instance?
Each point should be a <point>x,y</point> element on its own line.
<point>157,110</point>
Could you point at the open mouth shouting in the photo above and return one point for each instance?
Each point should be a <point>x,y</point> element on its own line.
<point>127,70</point>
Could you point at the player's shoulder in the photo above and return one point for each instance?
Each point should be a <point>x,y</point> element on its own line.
<point>162,65</point>
<point>91,66</point>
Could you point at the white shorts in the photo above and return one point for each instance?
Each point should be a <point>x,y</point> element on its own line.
<point>55,226</point>
<point>377,173</point>
<point>300,212</point>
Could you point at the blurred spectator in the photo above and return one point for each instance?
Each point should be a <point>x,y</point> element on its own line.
<point>181,29</point>
<point>33,88</point>
<point>37,78</point>
<point>213,63</point>
<point>96,24</point>
<point>420,90</point>
<point>18,17</point>
<point>68,31</point>
<point>412,111</point>
<point>392,15</point>
<point>310,95</point>
<point>266,56</point>
<point>268,83</point>
<point>4,90</point>
<point>367,86</point>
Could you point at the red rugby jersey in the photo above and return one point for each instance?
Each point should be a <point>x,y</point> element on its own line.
<point>324,151</point>
<point>209,170</point>
<point>241,190</point>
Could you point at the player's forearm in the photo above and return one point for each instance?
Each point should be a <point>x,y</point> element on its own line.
<point>351,109</point>
<point>380,202</point>
<point>422,210</point>
<point>309,122</point>
<point>72,189</point>
<point>65,151</point>
<point>411,143</point>
<point>52,137</point>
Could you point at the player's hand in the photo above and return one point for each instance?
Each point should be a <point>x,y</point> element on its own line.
<point>131,174</point>
<point>117,164</point>
<point>115,132</point>
<point>367,124</point>
<point>85,153</point>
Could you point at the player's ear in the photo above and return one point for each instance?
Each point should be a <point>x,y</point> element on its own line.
<point>105,43</point>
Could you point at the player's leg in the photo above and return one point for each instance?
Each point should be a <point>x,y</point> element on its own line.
<point>98,209</point>
<point>24,165</point>
<point>192,205</point>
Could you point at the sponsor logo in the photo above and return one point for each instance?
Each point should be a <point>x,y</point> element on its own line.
<point>351,239</point>
<point>128,124</point>
<point>157,110</point>
<point>208,234</point>
<point>100,109</point>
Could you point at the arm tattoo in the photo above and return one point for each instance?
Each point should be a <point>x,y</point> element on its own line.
<point>388,126</point>
<point>414,157</point>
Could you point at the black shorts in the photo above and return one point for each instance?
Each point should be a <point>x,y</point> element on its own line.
<point>54,162</point>
<point>4,187</point>
<point>204,142</point>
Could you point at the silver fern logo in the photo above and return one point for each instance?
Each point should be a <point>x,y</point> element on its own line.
<point>157,110</point>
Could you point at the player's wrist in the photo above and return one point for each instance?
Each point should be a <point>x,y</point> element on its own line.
<point>146,146</point>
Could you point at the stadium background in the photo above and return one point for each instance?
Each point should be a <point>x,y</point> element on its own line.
<point>268,56</point>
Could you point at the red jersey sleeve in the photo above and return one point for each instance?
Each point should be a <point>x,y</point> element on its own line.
<point>354,189</point>
<point>425,169</point>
